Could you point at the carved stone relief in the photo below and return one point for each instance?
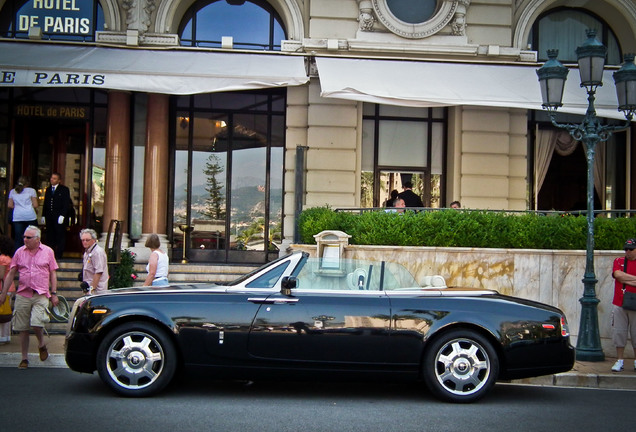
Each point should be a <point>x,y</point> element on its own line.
<point>458,26</point>
<point>138,14</point>
<point>366,19</point>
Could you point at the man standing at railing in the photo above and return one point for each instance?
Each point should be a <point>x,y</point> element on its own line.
<point>411,199</point>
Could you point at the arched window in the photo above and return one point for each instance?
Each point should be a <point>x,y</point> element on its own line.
<point>564,29</point>
<point>253,24</point>
<point>51,20</point>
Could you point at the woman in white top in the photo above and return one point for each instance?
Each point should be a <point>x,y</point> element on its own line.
<point>157,267</point>
<point>23,200</point>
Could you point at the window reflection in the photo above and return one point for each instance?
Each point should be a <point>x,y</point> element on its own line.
<point>232,194</point>
<point>97,187</point>
<point>139,155</point>
<point>252,25</point>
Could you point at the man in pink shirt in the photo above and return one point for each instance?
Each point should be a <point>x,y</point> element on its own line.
<point>37,268</point>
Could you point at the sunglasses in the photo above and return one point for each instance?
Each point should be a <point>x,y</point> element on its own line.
<point>28,237</point>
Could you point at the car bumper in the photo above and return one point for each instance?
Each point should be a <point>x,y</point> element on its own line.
<point>80,352</point>
<point>552,359</point>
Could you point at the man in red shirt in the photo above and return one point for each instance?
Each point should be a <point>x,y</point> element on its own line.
<point>37,267</point>
<point>623,320</point>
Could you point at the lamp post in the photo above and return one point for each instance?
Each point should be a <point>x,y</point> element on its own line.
<point>552,76</point>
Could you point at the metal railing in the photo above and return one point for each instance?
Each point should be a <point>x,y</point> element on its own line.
<point>113,242</point>
<point>616,213</point>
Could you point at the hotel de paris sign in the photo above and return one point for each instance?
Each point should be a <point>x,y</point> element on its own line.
<point>57,17</point>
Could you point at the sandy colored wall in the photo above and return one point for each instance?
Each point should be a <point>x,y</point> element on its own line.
<point>553,277</point>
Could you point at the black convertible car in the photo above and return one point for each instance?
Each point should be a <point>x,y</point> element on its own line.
<point>300,318</point>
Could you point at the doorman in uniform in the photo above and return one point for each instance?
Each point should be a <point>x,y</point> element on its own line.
<point>57,200</point>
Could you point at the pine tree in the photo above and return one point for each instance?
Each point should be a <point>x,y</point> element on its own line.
<point>214,203</point>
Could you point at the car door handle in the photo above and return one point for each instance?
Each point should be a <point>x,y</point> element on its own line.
<point>265,300</point>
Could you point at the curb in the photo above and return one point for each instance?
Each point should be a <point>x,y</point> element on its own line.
<point>13,359</point>
<point>582,380</point>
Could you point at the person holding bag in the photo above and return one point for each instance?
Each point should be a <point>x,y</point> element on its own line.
<point>94,264</point>
<point>37,288</point>
<point>623,309</point>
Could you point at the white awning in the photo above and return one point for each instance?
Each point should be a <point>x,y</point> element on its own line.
<point>430,84</point>
<point>169,71</point>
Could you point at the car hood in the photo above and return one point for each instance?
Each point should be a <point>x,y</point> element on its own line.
<point>168,288</point>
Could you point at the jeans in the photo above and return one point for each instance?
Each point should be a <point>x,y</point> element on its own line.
<point>162,281</point>
<point>18,231</point>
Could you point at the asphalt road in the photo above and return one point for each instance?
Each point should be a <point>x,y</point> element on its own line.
<point>61,400</point>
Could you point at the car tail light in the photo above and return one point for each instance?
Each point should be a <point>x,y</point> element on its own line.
<point>565,331</point>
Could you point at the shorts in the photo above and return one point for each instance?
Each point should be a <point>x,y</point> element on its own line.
<point>30,312</point>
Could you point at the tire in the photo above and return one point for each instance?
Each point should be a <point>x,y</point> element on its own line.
<point>137,359</point>
<point>460,366</point>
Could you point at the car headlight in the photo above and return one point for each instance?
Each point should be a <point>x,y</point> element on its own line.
<point>71,318</point>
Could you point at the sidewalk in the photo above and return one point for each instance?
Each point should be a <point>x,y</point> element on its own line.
<point>584,374</point>
<point>10,353</point>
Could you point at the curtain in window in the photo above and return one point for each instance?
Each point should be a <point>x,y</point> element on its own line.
<point>564,144</point>
<point>561,142</point>
<point>543,149</point>
<point>565,31</point>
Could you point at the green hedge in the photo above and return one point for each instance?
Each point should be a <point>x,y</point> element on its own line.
<point>446,228</point>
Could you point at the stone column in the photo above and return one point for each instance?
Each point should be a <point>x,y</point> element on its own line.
<point>117,172</point>
<point>156,168</point>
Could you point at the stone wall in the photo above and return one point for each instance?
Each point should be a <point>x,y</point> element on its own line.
<point>488,158</point>
<point>549,276</point>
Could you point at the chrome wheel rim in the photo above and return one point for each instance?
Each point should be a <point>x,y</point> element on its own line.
<point>135,360</point>
<point>462,366</point>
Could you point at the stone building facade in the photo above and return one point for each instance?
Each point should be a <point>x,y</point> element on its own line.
<point>212,123</point>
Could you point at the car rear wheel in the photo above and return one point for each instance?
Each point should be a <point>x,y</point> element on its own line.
<point>136,359</point>
<point>460,366</point>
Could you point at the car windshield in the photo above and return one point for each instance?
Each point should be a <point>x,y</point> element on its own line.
<point>272,265</point>
<point>347,274</point>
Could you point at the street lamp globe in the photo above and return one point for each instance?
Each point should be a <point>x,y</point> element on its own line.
<point>591,58</point>
<point>552,76</point>
<point>625,80</point>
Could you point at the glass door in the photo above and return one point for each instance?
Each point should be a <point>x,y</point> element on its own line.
<point>48,147</point>
<point>229,177</point>
<point>200,186</point>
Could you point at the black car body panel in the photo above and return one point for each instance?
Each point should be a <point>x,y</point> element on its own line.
<point>326,326</point>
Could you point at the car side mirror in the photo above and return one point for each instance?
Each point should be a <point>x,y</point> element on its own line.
<point>287,285</point>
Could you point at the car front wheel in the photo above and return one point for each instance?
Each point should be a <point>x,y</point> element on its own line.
<point>460,366</point>
<point>136,359</point>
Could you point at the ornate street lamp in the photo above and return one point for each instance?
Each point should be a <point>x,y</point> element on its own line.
<point>552,76</point>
